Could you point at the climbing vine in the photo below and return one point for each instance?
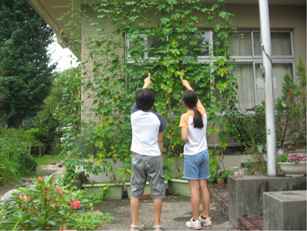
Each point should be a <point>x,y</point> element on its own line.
<point>169,39</point>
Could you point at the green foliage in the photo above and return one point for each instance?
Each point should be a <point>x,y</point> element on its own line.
<point>15,153</point>
<point>48,159</point>
<point>249,129</point>
<point>173,167</point>
<point>213,167</point>
<point>25,74</point>
<point>49,206</point>
<point>175,29</point>
<point>257,165</point>
<point>291,110</point>
<point>282,158</point>
<point>60,116</point>
<point>90,220</point>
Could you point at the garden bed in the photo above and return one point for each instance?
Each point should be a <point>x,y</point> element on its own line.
<point>111,191</point>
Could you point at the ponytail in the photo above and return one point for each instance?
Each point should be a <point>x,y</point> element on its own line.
<point>197,119</point>
<point>190,99</point>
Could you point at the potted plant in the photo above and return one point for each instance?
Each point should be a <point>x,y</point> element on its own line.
<point>112,190</point>
<point>173,174</point>
<point>293,164</point>
<point>222,177</point>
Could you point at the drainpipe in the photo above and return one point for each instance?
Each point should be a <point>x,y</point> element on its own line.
<point>269,95</point>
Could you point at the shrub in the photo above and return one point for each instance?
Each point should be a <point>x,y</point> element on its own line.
<point>248,129</point>
<point>61,109</point>
<point>15,153</point>
<point>48,206</point>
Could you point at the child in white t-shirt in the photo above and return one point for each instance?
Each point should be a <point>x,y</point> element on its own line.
<point>146,147</point>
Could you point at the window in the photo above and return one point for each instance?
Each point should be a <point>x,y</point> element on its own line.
<point>246,52</point>
<point>150,45</point>
<point>241,44</point>
<point>281,44</point>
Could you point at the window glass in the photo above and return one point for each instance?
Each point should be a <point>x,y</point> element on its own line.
<point>260,84</point>
<point>205,44</point>
<point>281,43</point>
<point>153,44</point>
<point>241,44</point>
<point>135,46</point>
<point>279,72</point>
<point>246,94</point>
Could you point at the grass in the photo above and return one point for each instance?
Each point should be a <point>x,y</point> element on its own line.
<point>48,159</point>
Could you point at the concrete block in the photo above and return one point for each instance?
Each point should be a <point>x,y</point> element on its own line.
<point>246,193</point>
<point>284,210</point>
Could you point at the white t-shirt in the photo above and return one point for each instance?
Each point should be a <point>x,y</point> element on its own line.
<point>146,127</point>
<point>196,140</point>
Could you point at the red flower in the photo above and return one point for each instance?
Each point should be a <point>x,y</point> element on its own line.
<point>59,190</point>
<point>75,204</point>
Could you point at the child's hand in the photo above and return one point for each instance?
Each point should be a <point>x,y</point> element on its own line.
<point>186,84</point>
<point>147,81</point>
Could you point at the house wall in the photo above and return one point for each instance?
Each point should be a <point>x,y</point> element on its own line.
<point>282,17</point>
<point>245,17</point>
<point>93,30</point>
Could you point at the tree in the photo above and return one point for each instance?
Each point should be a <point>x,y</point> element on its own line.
<point>25,73</point>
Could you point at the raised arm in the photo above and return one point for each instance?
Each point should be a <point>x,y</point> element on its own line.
<point>187,86</point>
<point>147,81</point>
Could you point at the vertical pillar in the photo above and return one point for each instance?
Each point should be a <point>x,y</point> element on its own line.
<point>269,94</point>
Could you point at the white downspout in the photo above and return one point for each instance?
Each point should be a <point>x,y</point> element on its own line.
<point>269,95</point>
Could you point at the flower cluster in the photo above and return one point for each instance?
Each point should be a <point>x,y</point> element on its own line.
<point>296,157</point>
<point>75,204</point>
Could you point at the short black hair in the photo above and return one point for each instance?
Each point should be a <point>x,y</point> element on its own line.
<point>145,99</point>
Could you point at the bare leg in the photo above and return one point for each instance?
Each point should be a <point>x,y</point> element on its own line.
<point>205,197</point>
<point>194,185</point>
<point>134,207</point>
<point>157,211</point>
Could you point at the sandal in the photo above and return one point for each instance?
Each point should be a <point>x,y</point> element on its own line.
<point>136,227</point>
<point>158,228</point>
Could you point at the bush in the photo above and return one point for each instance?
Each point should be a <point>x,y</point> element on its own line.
<point>61,109</point>
<point>290,113</point>
<point>15,153</point>
<point>49,206</point>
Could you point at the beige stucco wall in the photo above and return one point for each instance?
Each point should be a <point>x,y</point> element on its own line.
<point>94,29</point>
<point>246,17</point>
<point>281,16</point>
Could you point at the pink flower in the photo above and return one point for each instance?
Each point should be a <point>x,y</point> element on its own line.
<point>59,190</point>
<point>75,204</point>
<point>297,157</point>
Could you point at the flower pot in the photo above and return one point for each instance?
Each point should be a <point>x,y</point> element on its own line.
<point>293,168</point>
<point>179,187</point>
<point>220,182</point>
<point>108,191</point>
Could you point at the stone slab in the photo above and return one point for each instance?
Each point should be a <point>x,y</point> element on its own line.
<point>284,210</point>
<point>246,193</point>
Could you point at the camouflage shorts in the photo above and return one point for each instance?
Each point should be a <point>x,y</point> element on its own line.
<point>147,168</point>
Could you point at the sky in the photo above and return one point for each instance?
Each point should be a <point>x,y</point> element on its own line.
<point>62,57</point>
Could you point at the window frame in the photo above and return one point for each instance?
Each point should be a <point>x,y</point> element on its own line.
<point>254,59</point>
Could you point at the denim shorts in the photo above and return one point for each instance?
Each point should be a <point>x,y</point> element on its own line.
<point>147,168</point>
<point>196,167</point>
